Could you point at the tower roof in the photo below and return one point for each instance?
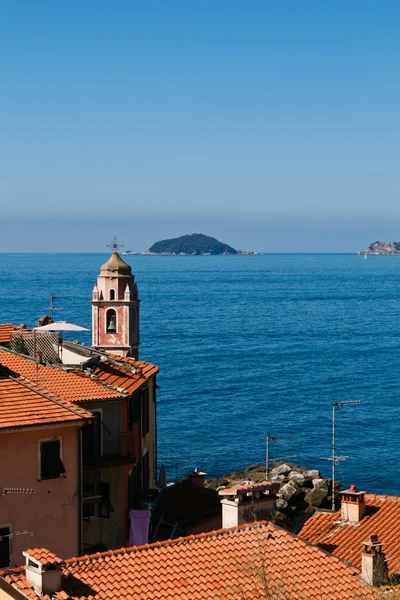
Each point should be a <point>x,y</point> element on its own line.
<point>116,266</point>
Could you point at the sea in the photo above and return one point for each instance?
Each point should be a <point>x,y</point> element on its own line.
<point>250,346</point>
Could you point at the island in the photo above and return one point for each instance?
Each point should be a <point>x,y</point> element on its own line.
<point>382,248</point>
<point>194,244</point>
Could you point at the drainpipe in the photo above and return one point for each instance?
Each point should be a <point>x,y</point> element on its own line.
<point>80,499</point>
<point>155,472</point>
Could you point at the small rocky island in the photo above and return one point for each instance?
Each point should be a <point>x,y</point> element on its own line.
<point>382,248</point>
<point>194,244</point>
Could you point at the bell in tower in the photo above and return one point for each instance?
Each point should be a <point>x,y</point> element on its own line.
<point>115,309</point>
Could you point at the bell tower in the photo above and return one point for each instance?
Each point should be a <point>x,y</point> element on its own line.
<point>115,309</point>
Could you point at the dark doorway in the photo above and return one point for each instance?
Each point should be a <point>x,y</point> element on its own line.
<point>4,546</point>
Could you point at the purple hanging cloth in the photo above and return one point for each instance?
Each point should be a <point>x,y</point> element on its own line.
<point>139,529</point>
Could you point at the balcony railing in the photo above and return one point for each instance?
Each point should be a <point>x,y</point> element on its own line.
<point>118,449</point>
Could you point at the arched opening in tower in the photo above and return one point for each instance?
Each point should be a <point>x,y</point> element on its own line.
<point>112,294</point>
<point>111,321</point>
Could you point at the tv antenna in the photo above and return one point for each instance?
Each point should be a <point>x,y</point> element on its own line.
<point>334,457</point>
<point>115,246</point>
<point>52,308</point>
<point>274,438</point>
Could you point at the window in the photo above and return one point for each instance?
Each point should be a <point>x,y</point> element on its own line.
<point>51,465</point>
<point>145,411</point>
<point>134,409</point>
<point>112,294</point>
<point>5,533</point>
<point>92,441</point>
<point>145,471</point>
<point>96,500</point>
<point>111,321</point>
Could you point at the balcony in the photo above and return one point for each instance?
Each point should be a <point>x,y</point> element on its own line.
<point>108,450</point>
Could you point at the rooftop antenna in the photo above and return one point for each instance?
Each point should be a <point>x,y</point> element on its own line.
<point>274,438</point>
<point>52,308</point>
<point>115,246</point>
<point>334,458</point>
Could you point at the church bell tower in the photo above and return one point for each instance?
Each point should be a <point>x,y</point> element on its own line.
<point>115,309</point>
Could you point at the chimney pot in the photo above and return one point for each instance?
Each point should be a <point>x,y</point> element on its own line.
<point>353,505</point>
<point>373,564</point>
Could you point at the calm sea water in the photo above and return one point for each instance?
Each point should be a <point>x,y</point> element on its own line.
<point>250,345</point>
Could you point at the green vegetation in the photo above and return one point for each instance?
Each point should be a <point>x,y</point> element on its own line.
<point>196,243</point>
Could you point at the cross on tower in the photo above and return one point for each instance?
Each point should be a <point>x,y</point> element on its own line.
<point>115,245</point>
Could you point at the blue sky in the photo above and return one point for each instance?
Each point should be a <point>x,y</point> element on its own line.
<point>271,123</point>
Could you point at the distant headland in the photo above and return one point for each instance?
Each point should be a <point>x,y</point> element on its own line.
<point>382,248</point>
<point>194,244</point>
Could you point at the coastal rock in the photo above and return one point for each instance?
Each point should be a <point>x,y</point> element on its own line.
<point>251,469</point>
<point>312,474</point>
<point>297,477</point>
<point>287,491</point>
<point>316,496</point>
<point>320,484</point>
<point>281,470</point>
<point>281,504</point>
<point>278,478</point>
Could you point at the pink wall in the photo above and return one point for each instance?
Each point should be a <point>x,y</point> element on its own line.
<point>51,514</point>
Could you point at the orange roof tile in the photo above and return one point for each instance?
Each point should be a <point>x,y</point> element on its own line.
<point>343,539</point>
<point>245,487</point>
<point>115,374</point>
<point>5,329</point>
<point>43,556</point>
<point>241,562</point>
<point>67,385</point>
<point>23,405</point>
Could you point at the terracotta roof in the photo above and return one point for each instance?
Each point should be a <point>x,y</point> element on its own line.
<point>43,556</point>
<point>67,385</point>
<point>22,406</point>
<point>5,329</point>
<point>343,539</point>
<point>116,374</point>
<point>224,564</point>
<point>245,487</point>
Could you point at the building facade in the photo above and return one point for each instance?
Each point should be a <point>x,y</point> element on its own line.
<point>112,455</point>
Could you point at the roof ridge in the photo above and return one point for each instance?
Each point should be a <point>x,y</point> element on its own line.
<point>165,543</point>
<point>47,394</point>
<point>386,497</point>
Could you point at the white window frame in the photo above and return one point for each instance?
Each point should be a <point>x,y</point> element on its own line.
<point>49,439</point>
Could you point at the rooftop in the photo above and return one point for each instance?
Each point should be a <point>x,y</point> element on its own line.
<point>43,556</point>
<point>5,329</point>
<point>343,539</point>
<point>109,380</point>
<point>241,562</point>
<point>24,405</point>
<point>245,487</point>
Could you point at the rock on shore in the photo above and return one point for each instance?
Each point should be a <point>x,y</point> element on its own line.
<point>301,490</point>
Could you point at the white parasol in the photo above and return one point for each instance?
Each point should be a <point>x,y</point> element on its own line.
<point>61,326</point>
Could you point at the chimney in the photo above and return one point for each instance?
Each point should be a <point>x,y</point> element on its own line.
<point>43,570</point>
<point>353,505</point>
<point>197,477</point>
<point>248,502</point>
<point>373,562</point>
